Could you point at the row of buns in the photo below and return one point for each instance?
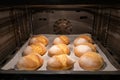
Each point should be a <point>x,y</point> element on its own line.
<point>59,52</point>
<point>32,56</point>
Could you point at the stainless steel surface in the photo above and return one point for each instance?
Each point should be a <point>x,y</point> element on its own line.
<point>14,31</point>
<point>62,26</point>
<point>7,36</point>
<point>11,64</point>
<point>113,35</point>
<point>46,19</point>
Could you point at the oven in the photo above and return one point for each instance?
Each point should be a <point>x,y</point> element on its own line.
<point>19,23</point>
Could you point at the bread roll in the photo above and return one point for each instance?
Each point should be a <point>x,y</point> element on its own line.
<point>58,49</point>
<point>30,62</point>
<point>38,39</point>
<point>60,62</point>
<point>35,48</point>
<point>83,48</point>
<point>91,61</point>
<point>82,39</point>
<point>61,40</point>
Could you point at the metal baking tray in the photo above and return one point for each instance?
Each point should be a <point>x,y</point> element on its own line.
<point>11,64</point>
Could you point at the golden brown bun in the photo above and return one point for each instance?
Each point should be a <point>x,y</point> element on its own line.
<point>39,39</point>
<point>83,48</point>
<point>60,62</point>
<point>35,48</point>
<point>91,61</point>
<point>58,49</point>
<point>82,39</point>
<point>30,62</point>
<point>61,40</point>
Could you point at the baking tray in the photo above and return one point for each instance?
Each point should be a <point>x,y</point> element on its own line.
<point>11,64</point>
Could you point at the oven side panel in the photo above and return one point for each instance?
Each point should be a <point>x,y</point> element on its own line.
<point>14,31</point>
<point>7,36</point>
<point>106,29</point>
<point>113,38</point>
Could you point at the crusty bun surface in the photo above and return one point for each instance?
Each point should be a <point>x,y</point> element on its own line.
<point>82,39</point>
<point>60,62</point>
<point>91,61</point>
<point>30,62</point>
<point>61,40</point>
<point>83,48</point>
<point>40,38</point>
<point>58,49</point>
<point>35,48</point>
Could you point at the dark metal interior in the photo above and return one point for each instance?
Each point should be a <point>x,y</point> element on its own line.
<point>18,23</point>
<point>79,25</point>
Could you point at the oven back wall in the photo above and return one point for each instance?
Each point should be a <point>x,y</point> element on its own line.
<point>44,21</point>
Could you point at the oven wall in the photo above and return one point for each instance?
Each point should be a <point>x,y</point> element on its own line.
<point>107,30</point>
<point>113,34</point>
<point>43,21</point>
<point>14,31</point>
<point>7,36</point>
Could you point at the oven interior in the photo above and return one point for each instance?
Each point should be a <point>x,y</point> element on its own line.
<point>18,23</point>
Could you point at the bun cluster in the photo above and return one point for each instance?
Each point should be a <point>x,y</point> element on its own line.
<point>59,54</point>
